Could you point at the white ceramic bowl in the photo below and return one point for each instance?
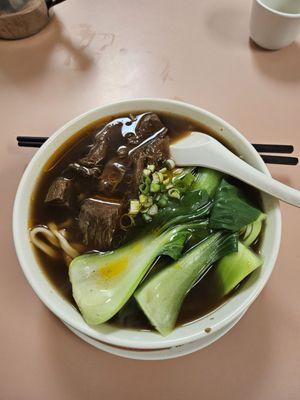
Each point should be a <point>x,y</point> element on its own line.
<point>219,319</point>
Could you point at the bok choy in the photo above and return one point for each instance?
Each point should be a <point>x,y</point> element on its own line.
<point>233,269</point>
<point>208,180</point>
<point>210,226</point>
<point>232,212</point>
<point>161,296</point>
<point>252,231</point>
<point>102,283</point>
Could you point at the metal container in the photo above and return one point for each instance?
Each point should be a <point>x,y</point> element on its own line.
<point>23,18</point>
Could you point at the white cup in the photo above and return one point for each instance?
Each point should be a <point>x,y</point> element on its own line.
<point>274,23</point>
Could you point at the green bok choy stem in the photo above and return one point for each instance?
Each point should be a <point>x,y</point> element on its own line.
<point>233,269</point>
<point>252,231</point>
<point>102,283</point>
<point>208,180</point>
<point>161,296</point>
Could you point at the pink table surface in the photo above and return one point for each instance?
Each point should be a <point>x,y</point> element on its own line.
<point>95,52</point>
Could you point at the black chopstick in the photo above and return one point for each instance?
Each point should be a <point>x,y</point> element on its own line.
<point>37,141</point>
<point>31,141</point>
<point>279,160</point>
<point>273,148</point>
<point>30,144</point>
<point>23,139</point>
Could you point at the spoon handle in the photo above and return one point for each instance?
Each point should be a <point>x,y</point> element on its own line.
<point>214,155</point>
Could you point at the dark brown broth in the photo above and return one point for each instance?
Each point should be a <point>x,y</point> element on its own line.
<point>199,301</point>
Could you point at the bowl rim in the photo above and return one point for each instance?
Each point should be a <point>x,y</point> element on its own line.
<point>277,12</point>
<point>83,327</point>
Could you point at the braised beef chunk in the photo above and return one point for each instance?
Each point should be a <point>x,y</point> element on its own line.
<point>135,175</point>
<point>111,166</point>
<point>99,221</point>
<point>105,143</point>
<point>154,152</point>
<point>112,175</point>
<point>122,173</point>
<point>144,126</point>
<point>85,172</point>
<point>61,193</point>
<point>98,151</point>
<point>91,165</point>
<point>157,151</point>
<point>149,124</point>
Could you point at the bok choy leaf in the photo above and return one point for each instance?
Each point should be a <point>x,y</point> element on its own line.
<point>231,211</point>
<point>190,207</point>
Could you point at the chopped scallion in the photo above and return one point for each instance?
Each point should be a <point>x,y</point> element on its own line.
<point>153,210</point>
<point>147,217</point>
<point>148,202</point>
<point>144,188</point>
<point>178,171</point>
<point>160,176</point>
<point>146,172</point>
<point>163,170</point>
<point>135,207</point>
<point>151,167</point>
<point>142,198</point>
<point>154,187</point>
<point>170,164</point>
<point>174,193</point>
<point>155,177</point>
<point>162,202</point>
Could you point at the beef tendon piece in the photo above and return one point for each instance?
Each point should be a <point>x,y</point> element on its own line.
<point>61,193</point>
<point>99,222</point>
